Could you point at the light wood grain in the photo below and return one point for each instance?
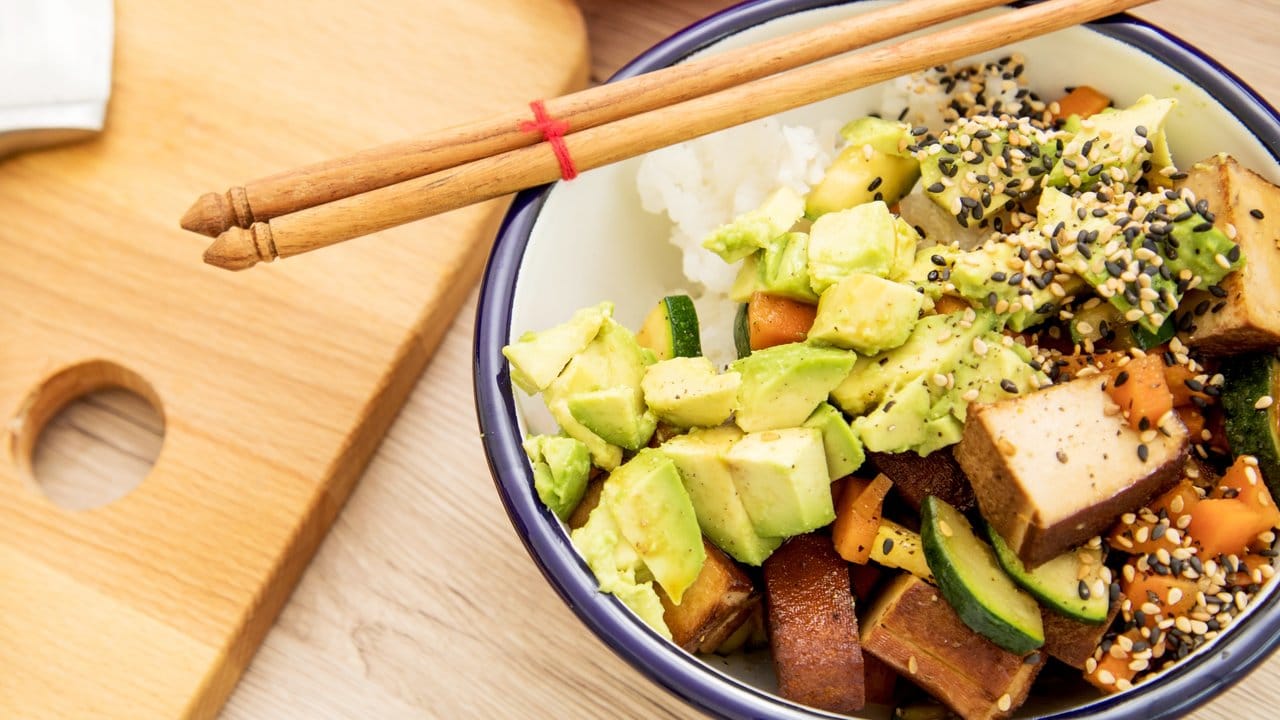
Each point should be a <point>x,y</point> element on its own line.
<point>274,390</point>
<point>423,603</point>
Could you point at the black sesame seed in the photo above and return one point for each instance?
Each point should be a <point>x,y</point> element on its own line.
<point>1217,291</point>
<point>937,260</point>
<point>1007,385</point>
<point>952,148</point>
<point>1084,250</point>
<point>1015,279</point>
<point>1144,424</point>
<point>998,276</point>
<point>919,130</point>
<point>1194,385</point>
<point>1202,227</point>
<point>1256,214</point>
<point>1233,255</point>
<point>932,276</point>
<point>1143,452</point>
<point>1218,307</point>
<point>1122,378</point>
<point>936,188</point>
<point>992,299</point>
<point>1082,589</point>
<point>888,546</point>
<point>968,202</point>
<point>875,184</point>
<point>1095,170</point>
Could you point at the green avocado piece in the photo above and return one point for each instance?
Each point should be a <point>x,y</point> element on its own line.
<point>897,425</point>
<point>747,282</point>
<point>1117,142</point>
<point>841,444</point>
<point>982,276</point>
<point>618,568</point>
<point>866,313</point>
<point>603,453</point>
<point>700,457</point>
<point>688,392</point>
<point>937,341</point>
<point>782,385</point>
<point>560,469</point>
<point>906,240</point>
<point>654,514</point>
<point>782,478</point>
<point>963,177</point>
<point>753,230</point>
<point>870,167</point>
<point>783,268</point>
<point>617,414</point>
<point>538,357</point>
<point>860,239</point>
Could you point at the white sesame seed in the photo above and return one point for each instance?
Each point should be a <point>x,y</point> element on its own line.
<point>1222,261</point>
<point>1263,403</point>
<point>1004,703</point>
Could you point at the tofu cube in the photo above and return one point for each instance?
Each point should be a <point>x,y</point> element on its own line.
<point>718,602</point>
<point>1053,468</point>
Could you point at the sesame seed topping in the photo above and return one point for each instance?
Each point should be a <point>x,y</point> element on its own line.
<point>1263,402</point>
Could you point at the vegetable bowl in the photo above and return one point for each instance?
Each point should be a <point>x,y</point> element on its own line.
<point>999,560</point>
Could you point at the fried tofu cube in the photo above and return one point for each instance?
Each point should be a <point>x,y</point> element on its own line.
<point>1071,640</point>
<point>718,602</point>
<point>1248,317</point>
<point>1053,468</point>
<point>911,628</point>
<point>813,632</point>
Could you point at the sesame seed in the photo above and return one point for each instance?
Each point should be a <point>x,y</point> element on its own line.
<point>912,665</point>
<point>887,547</point>
<point>1008,386</point>
<point>1263,403</point>
<point>1004,703</point>
<point>1256,214</point>
<point>1106,678</point>
<point>1143,452</point>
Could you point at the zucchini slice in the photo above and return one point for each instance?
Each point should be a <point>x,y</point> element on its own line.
<point>971,580</point>
<point>1070,584</point>
<point>671,329</point>
<point>1250,430</point>
<point>742,332</point>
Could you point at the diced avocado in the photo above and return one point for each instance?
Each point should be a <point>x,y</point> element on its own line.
<point>747,282</point>
<point>870,167</point>
<point>860,239</point>
<point>618,569</point>
<point>841,444</point>
<point>753,230</point>
<point>930,270</point>
<point>1117,142</point>
<point>671,329</point>
<point>560,469</point>
<point>688,392</point>
<point>898,424</point>
<point>866,313</point>
<point>654,514</point>
<point>617,414</point>
<point>782,478</point>
<point>783,267</point>
<point>603,454</point>
<point>983,276</point>
<point>1000,373</point>
<point>906,240</point>
<point>538,357</point>
<point>964,179</point>
<point>782,385</point>
<point>700,458</point>
<point>936,342</point>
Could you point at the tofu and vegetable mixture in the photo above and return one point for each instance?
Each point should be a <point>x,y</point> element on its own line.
<point>997,412</point>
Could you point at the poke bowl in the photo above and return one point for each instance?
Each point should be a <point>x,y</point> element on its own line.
<point>1051,285</point>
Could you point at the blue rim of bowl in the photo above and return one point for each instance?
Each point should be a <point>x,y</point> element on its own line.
<point>1184,687</point>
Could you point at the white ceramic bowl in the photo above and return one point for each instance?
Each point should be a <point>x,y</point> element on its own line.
<point>575,244</point>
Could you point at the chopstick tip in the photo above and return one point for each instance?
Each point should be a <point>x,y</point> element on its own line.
<point>238,248</point>
<point>210,215</point>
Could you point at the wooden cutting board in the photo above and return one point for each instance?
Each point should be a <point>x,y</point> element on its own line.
<point>275,384</point>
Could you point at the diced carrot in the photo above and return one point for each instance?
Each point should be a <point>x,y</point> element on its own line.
<point>858,517</point>
<point>1071,365</point>
<point>1142,536</point>
<point>1246,484</point>
<point>1110,669</point>
<point>1225,526</point>
<point>948,304</point>
<point>1172,594</point>
<point>1141,392</point>
<point>775,320</point>
<point>1176,376</point>
<point>1192,418</point>
<point>1083,101</point>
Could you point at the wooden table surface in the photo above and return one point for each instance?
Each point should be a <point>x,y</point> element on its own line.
<point>422,602</point>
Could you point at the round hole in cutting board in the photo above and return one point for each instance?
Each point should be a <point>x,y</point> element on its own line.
<point>89,434</point>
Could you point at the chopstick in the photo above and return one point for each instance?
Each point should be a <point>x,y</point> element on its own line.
<point>312,228</point>
<point>333,179</point>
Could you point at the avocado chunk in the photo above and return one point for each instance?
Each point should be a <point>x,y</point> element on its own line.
<point>538,357</point>
<point>870,167</point>
<point>617,414</point>
<point>782,385</point>
<point>841,444</point>
<point>994,276</point>
<point>783,268</point>
<point>603,383</point>
<point>618,568</point>
<point>560,469</point>
<point>653,512</point>
<point>866,313</point>
<point>981,167</point>
<point>1115,142</point>
<point>688,392</point>
<point>782,478</point>
<point>863,238</point>
<point>898,425</point>
<point>753,230</point>
<point>700,458</point>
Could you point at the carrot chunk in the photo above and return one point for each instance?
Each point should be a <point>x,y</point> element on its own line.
<point>775,320</point>
<point>1171,594</point>
<point>1111,669</point>
<point>858,517</point>
<point>1148,532</point>
<point>1244,481</point>
<point>1139,388</point>
<point>1225,526</point>
<point>1176,377</point>
<point>1083,101</point>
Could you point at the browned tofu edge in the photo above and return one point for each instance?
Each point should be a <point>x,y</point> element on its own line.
<point>720,599</point>
<point>916,477</point>
<point>1073,641</point>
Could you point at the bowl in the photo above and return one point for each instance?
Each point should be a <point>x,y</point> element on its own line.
<point>571,245</point>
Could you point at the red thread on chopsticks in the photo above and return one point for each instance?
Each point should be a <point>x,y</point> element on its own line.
<point>553,132</point>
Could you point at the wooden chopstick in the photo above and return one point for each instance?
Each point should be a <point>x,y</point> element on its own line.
<point>324,182</point>
<point>238,248</point>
